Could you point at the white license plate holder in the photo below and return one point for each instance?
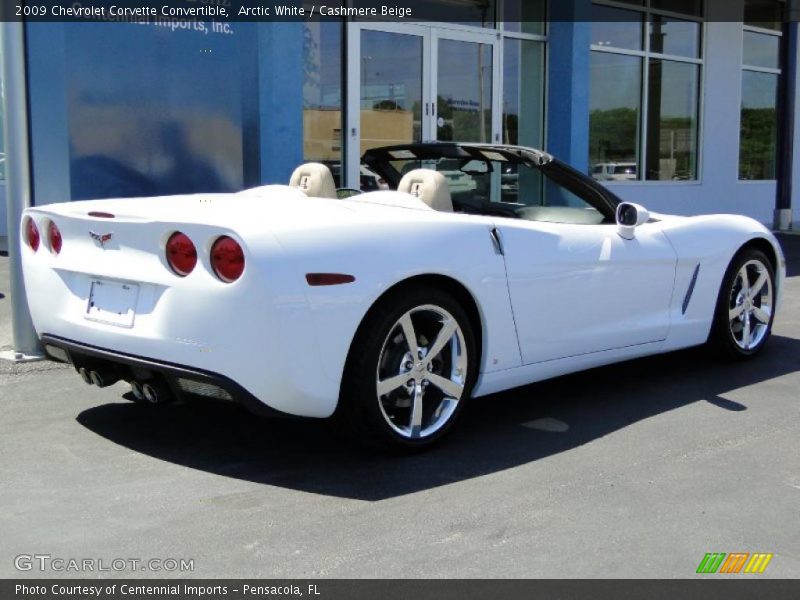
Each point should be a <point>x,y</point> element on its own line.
<point>112,302</point>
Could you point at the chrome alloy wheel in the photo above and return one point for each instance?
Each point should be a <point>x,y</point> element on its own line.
<point>750,305</point>
<point>422,371</point>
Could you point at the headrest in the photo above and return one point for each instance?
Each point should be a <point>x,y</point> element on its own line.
<point>315,180</point>
<point>429,186</point>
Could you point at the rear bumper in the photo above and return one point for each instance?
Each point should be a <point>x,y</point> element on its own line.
<point>182,380</point>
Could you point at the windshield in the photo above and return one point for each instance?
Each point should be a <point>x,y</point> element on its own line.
<point>495,181</point>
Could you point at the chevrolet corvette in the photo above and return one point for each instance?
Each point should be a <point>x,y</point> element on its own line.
<point>388,310</point>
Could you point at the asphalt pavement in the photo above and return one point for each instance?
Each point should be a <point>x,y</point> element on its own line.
<point>633,470</point>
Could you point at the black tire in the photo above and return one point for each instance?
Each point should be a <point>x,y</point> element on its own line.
<point>724,337</point>
<point>361,416</point>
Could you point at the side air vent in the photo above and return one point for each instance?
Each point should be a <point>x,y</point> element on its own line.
<point>690,291</point>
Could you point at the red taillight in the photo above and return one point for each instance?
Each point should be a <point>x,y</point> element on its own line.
<point>32,234</point>
<point>54,235</point>
<point>227,259</point>
<point>181,254</point>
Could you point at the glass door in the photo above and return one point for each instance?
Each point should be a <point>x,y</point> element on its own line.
<point>466,74</point>
<point>388,86</point>
<point>414,83</point>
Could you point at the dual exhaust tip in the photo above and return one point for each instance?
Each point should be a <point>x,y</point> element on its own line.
<point>151,391</point>
<point>99,378</point>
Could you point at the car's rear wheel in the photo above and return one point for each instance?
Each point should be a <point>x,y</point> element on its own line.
<point>746,305</point>
<point>410,370</point>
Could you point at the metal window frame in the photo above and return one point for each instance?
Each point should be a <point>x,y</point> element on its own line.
<point>768,71</point>
<point>646,54</point>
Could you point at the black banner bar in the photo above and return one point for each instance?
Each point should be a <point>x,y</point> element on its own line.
<point>733,588</point>
<point>477,12</point>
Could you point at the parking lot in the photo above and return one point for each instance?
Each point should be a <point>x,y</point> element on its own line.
<point>633,470</point>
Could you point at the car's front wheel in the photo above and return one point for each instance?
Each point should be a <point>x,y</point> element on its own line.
<point>746,305</point>
<point>410,370</point>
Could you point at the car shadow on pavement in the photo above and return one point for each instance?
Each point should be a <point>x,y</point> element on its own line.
<point>498,432</point>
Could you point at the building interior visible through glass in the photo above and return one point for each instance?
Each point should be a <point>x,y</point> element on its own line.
<point>761,71</point>
<point>645,92</point>
<point>445,87</point>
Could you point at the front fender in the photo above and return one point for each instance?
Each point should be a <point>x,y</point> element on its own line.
<point>709,242</point>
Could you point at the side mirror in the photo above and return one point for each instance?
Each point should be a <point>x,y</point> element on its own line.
<point>629,217</point>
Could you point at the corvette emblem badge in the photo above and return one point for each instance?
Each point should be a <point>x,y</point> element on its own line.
<point>101,237</point>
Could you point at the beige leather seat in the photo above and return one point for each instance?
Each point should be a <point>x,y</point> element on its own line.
<point>429,186</point>
<point>315,180</point>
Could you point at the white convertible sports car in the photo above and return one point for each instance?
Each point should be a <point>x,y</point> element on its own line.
<point>388,310</point>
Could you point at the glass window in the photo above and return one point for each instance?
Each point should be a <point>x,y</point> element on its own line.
<point>391,94</point>
<point>523,68</point>
<point>675,37</point>
<point>614,117</point>
<point>464,94</point>
<point>524,16</point>
<point>557,195</point>
<point>616,28</point>
<point>761,50</point>
<point>673,91</point>
<point>635,135</point>
<point>761,73</point>
<point>767,14</point>
<point>322,95</point>
<point>758,125</point>
<point>474,185</point>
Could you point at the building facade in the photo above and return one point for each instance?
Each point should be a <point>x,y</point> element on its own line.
<point>671,108</point>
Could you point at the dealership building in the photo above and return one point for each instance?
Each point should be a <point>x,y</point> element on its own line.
<point>667,105</point>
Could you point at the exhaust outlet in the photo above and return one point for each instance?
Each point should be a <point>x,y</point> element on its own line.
<point>156,392</point>
<point>103,378</point>
<point>136,390</point>
<point>87,378</point>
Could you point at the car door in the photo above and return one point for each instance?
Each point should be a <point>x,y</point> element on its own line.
<point>576,286</point>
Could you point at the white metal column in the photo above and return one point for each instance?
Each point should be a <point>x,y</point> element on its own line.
<point>18,182</point>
